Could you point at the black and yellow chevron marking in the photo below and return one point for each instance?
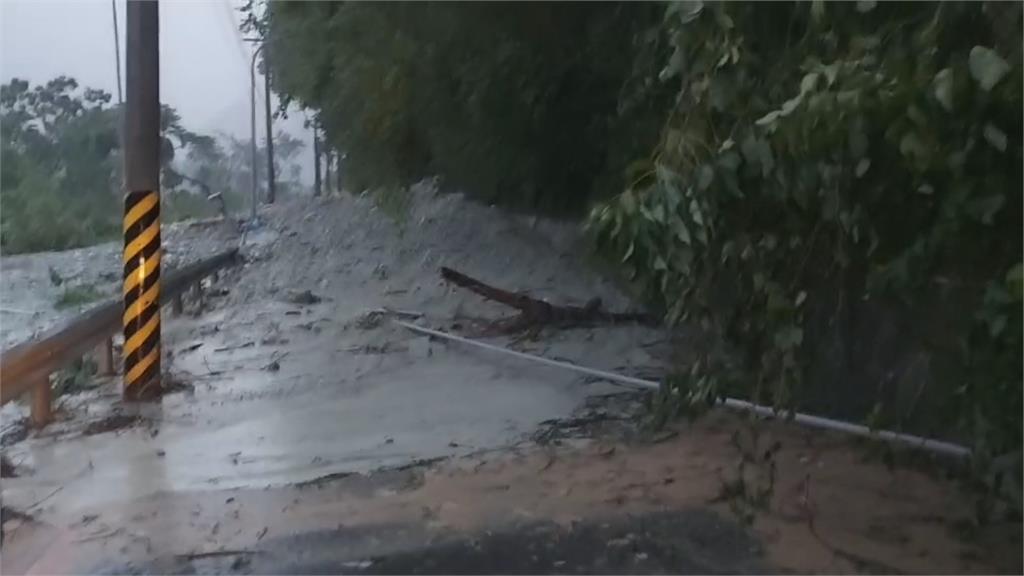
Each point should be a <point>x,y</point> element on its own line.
<point>141,317</point>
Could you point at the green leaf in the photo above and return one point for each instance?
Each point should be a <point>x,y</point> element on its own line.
<point>789,337</point>
<point>695,213</point>
<point>942,87</point>
<point>768,118</point>
<point>682,232</point>
<point>800,298</point>
<point>913,148</point>
<point>917,116</point>
<point>687,10</point>
<point>995,137</point>
<point>756,151</point>
<point>985,209</point>
<point>996,325</point>
<point>1015,281</point>
<point>723,19</point>
<point>629,252</point>
<point>858,141</point>
<point>987,67</point>
<point>658,214</point>
<point>808,82</point>
<point>730,161</point>
<point>789,105</point>
<point>831,72</point>
<point>628,201</point>
<point>705,175</point>
<point>674,66</point>
<point>817,10</point>
<point>862,167</point>
<point>865,6</point>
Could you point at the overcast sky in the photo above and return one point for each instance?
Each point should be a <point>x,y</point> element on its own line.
<point>204,65</point>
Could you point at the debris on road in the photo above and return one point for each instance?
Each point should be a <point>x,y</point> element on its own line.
<point>111,423</point>
<point>304,297</point>
<point>535,313</point>
<point>235,347</point>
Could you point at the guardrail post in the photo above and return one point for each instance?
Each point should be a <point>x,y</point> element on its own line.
<point>197,293</point>
<point>105,357</point>
<point>42,397</point>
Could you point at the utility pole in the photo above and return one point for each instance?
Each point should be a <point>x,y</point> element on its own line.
<point>327,170</point>
<point>252,126</point>
<point>141,256</point>
<point>316,158</point>
<point>337,170</point>
<point>271,185</point>
<point>117,54</point>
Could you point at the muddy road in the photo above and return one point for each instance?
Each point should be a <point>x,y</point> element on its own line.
<point>304,432</point>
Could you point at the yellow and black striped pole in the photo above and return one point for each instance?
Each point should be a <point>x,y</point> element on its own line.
<point>141,292</point>
<point>142,204</point>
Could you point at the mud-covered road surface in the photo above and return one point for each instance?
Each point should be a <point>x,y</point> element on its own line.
<point>303,432</point>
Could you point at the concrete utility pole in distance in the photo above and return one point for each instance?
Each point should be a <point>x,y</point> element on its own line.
<point>337,171</point>
<point>271,184</point>
<point>141,256</point>
<point>327,170</point>
<point>316,158</point>
<point>252,134</point>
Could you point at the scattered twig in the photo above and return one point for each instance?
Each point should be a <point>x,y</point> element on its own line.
<point>190,347</point>
<point>211,371</point>
<point>275,364</point>
<point>216,553</point>
<point>100,536</point>
<point>45,498</point>
<point>411,314</point>
<point>236,347</point>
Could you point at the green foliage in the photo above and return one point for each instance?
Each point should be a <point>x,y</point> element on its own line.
<point>60,153</point>
<point>74,296</point>
<point>513,103</point>
<point>865,154</point>
<point>76,377</point>
<point>57,147</point>
<point>394,202</point>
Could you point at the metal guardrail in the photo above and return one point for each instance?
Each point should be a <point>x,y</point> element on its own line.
<point>27,366</point>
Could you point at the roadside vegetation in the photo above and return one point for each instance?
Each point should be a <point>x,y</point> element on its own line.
<point>830,192</point>
<point>62,163</point>
<point>74,296</point>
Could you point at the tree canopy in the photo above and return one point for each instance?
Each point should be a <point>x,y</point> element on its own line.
<point>61,166</point>
<point>515,104</point>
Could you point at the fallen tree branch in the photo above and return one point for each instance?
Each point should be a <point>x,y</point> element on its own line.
<point>534,313</point>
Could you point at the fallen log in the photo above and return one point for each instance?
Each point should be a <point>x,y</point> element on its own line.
<point>535,313</point>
